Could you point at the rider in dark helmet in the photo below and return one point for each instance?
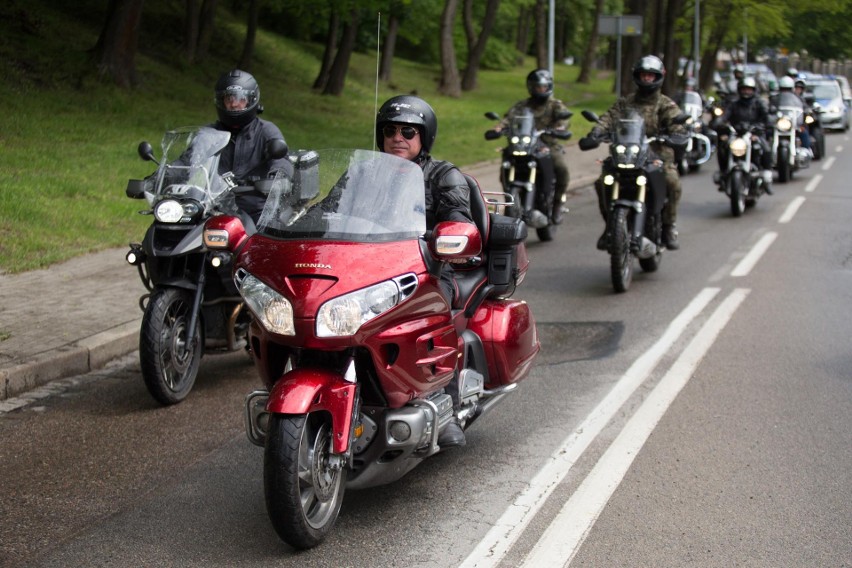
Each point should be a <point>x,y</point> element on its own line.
<point>749,110</point>
<point>237,98</point>
<point>659,112</point>
<point>406,127</point>
<point>547,112</point>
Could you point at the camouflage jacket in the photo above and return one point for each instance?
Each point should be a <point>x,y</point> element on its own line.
<point>544,114</point>
<point>657,109</point>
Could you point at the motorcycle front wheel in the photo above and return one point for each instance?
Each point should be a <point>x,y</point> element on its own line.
<point>547,233</point>
<point>784,172</point>
<point>303,492</point>
<point>737,193</point>
<point>169,366</point>
<point>620,256</point>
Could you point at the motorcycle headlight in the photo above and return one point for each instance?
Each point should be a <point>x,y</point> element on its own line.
<point>738,147</point>
<point>809,120</point>
<point>784,124</point>
<point>515,139</point>
<point>718,111</point>
<point>270,308</point>
<point>345,315</point>
<point>171,211</point>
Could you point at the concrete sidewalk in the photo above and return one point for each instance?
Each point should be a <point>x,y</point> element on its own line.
<point>77,316</point>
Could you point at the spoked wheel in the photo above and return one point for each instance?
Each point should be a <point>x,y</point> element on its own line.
<point>169,365</point>
<point>737,194</point>
<point>303,481</point>
<point>620,256</point>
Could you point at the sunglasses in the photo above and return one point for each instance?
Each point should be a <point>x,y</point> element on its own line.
<point>408,132</point>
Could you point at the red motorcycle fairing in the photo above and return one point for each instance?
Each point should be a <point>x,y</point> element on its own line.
<point>414,346</point>
<point>302,391</point>
<point>508,334</point>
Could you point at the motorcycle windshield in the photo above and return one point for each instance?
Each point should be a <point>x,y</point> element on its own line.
<point>347,195</point>
<point>692,105</point>
<point>628,140</point>
<point>189,167</point>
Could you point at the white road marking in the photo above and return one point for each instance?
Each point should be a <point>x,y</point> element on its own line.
<point>813,183</point>
<point>828,162</point>
<point>564,536</point>
<point>791,209</point>
<point>498,541</point>
<point>754,255</point>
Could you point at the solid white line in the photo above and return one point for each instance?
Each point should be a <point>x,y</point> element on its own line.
<point>747,263</point>
<point>813,183</point>
<point>791,209</point>
<point>828,162</point>
<point>508,528</point>
<point>563,538</point>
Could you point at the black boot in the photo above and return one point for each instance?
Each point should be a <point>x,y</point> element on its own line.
<point>452,435</point>
<point>603,241</point>
<point>670,237</point>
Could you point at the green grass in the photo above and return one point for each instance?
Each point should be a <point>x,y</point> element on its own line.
<point>68,140</point>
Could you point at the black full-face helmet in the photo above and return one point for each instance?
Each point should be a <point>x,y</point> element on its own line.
<point>408,109</point>
<point>649,64</point>
<point>747,87</point>
<point>241,86</point>
<point>540,84</point>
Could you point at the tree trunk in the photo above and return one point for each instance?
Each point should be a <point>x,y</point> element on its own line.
<point>591,47</point>
<point>631,46</point>
<point>450,84</point>
<point>388,48</point>
<point>541,34</point>
<point>251,33</point>
<point>115,52</point>
<point>476,45</point>
<point>671,47</point>
<point>190,31</point>
<point>207,23</point>
<point>337,75</point>
<point>330,49</point>
<point>522,39</point>
<point>658,9</point>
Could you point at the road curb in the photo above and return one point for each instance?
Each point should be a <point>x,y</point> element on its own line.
<point>80,357</point>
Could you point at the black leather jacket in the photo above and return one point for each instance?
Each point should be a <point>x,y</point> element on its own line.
<point>447,193</point>
<point>244,153</point>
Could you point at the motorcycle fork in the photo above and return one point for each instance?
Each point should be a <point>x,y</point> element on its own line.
<point>196,303</point>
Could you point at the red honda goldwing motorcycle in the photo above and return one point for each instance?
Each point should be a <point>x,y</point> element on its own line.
<point>364,360</point>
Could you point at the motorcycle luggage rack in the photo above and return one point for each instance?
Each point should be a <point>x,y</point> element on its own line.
<point>497,201</point>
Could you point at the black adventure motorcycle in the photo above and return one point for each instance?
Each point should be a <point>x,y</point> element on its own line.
<point>193,305</point>
<point>634,185</point>
<point>527,172</point>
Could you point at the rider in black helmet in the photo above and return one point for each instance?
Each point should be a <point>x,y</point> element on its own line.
<point>546,110</point>
<point>237,98</point>
<point>749,110</point>
<point>406,126</point>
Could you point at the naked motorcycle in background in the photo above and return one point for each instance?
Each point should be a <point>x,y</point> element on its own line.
<point>739,176</point>
<point>364,360</point>
<point>526,172</point>
<point>699,146</point>
<point>634,185</point>
<point>192,306</point>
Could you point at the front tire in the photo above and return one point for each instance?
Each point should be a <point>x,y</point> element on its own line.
<point>737,193</point>
<point>169,366</point>
<point>546,234</point>
<point>784,173</point>
<point>303,492</point>
<point>620,256</point>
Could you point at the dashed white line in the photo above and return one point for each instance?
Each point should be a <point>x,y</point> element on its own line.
<point>813,183</point>
<point>791,209</point>
<point>754,255</point>
<point>828,162</point>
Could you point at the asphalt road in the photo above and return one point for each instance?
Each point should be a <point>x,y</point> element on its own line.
<point>699,419</point>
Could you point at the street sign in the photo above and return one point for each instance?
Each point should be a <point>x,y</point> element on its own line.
<point>630,25</point>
